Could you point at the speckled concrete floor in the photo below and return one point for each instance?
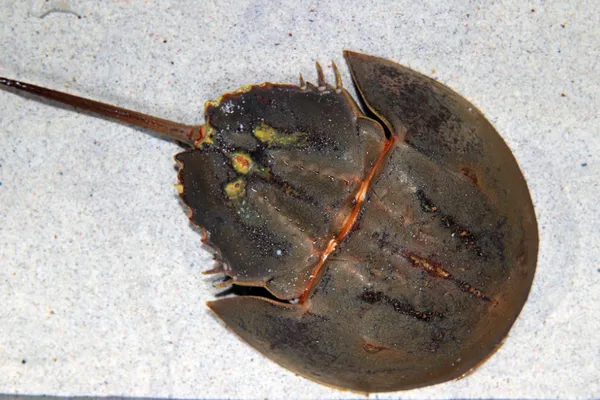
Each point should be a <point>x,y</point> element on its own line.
<point>100,284</point>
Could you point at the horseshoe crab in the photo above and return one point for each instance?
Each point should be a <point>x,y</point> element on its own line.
<point>374,249</point>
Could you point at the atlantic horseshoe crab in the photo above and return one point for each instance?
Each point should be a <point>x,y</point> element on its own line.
<point>391,246</point>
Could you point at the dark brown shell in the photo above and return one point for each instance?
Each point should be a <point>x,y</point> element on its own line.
<point>397,250</point>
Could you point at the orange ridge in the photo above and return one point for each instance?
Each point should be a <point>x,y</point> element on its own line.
<point>347,226</point>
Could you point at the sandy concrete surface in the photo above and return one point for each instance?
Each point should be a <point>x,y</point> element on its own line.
<point>101,291</point>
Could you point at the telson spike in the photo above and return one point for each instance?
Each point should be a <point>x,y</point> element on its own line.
<point>187,134</point>
<point>338,77</point>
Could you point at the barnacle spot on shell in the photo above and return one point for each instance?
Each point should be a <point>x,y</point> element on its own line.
<point>271,136</point>
<point>242,163</point>
<point>235,189</point>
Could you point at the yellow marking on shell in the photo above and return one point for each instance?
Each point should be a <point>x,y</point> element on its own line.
<point>179,188</point>
<point>271,136</point>
<point>246,88</point>
<point>242,163</point>
<point>241,90</point>
<point>212,103</point>
<point>236,189</point>
<point>209,133</point>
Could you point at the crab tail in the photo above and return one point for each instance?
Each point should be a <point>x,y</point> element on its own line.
<point>188,134</point>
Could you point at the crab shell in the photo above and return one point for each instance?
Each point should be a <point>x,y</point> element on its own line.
<point>397,246</point>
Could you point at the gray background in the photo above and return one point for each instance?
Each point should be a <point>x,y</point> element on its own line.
<point>101,291</point>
